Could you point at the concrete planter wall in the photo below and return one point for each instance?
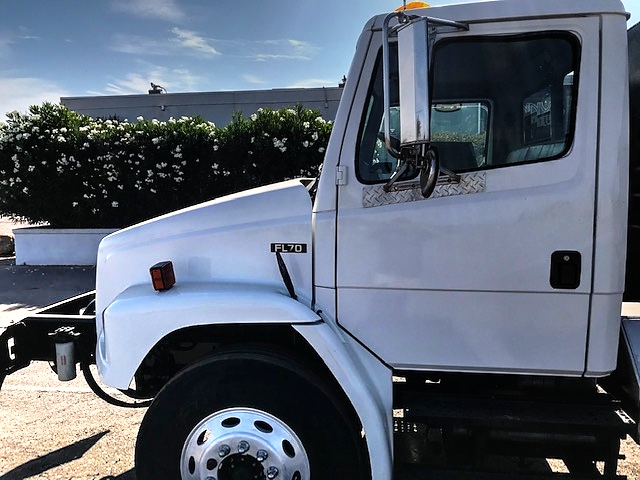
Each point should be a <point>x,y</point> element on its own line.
<point>53,246</point>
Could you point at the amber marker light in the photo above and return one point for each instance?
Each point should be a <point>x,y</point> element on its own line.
<point>412,5</point>
<point>162,276</point>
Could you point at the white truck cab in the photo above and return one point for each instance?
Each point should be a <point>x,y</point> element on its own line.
<point>464,247</point>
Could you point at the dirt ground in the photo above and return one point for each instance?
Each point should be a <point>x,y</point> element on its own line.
<point>54,430</point>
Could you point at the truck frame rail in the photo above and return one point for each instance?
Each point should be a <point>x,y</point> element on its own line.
<point>30,339</point>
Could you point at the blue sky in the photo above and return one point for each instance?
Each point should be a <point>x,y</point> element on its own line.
<point>54,48</point>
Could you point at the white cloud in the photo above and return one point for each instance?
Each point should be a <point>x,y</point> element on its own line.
<point>182,42</point>
<point>8,40</point>
<point>137,45</point>
<point>192,41</point>
<point>253,79</point>
<point>131,83</point>
<point>18,93</point>
<point>135,83</point>
<point>265,57</point>
<point>153,9</point>
<point>187,42</point>
<point>283,49</point>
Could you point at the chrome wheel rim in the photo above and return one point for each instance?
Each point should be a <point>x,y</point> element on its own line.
<point>243,444</point>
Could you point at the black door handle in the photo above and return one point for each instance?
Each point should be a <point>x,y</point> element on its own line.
<point>566,267</point>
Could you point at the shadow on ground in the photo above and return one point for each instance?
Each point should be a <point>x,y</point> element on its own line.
<point>59,457</point>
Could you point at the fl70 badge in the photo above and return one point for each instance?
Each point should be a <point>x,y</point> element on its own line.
<point>288,248</point>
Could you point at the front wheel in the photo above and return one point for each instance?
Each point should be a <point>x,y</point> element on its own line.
<point>249,414</point>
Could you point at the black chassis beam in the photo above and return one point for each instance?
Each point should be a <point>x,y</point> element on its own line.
<point>30,339</point>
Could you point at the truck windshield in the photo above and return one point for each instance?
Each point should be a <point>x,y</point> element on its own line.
<point>497,102</point>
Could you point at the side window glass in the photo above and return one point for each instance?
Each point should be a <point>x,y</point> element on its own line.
<point>526,83</point>
<point>459,132</point>
<point>497,101</point>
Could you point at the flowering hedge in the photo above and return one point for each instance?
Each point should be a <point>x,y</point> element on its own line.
<point>70,170</point>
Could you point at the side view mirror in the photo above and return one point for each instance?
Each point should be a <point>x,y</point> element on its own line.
<point>415,38</point>
<point>414,59</point>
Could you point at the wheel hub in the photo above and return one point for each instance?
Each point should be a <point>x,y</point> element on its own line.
<point>241,467</point>
<point>243,444</point>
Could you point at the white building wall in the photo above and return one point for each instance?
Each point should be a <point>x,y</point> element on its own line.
<point>217,107</point>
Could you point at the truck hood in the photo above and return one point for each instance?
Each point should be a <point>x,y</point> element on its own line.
<point>226,240</point>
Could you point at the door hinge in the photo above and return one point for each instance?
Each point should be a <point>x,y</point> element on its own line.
<point>341,175</point>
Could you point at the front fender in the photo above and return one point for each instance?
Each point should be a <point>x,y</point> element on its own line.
<point>366,382</point>
<point>140,317</point>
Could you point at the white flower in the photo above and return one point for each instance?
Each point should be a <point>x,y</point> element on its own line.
<point>321,149</point>
<point>314,136</point>
<point>31,168</point>
<point>254,117</point>
<point>305,144</point>
<point>139,118</point>
<point>306,125</point>
<point>155,140</point>
<point>61,139</point>
<point>25,190</point>
<point>215,148</point>
<point>74,204</point>
<point>114,204</point>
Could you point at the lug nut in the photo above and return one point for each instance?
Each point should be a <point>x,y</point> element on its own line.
<point>224,450</point>
<point>243,446</point>
<point>262,455</point>
<point>272,472</point>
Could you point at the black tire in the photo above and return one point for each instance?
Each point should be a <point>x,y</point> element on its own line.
<point>251,379</point>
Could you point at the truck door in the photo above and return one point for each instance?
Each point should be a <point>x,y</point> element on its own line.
<point>493,272</point>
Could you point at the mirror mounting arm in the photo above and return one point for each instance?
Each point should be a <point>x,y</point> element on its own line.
<point>386,68</point>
